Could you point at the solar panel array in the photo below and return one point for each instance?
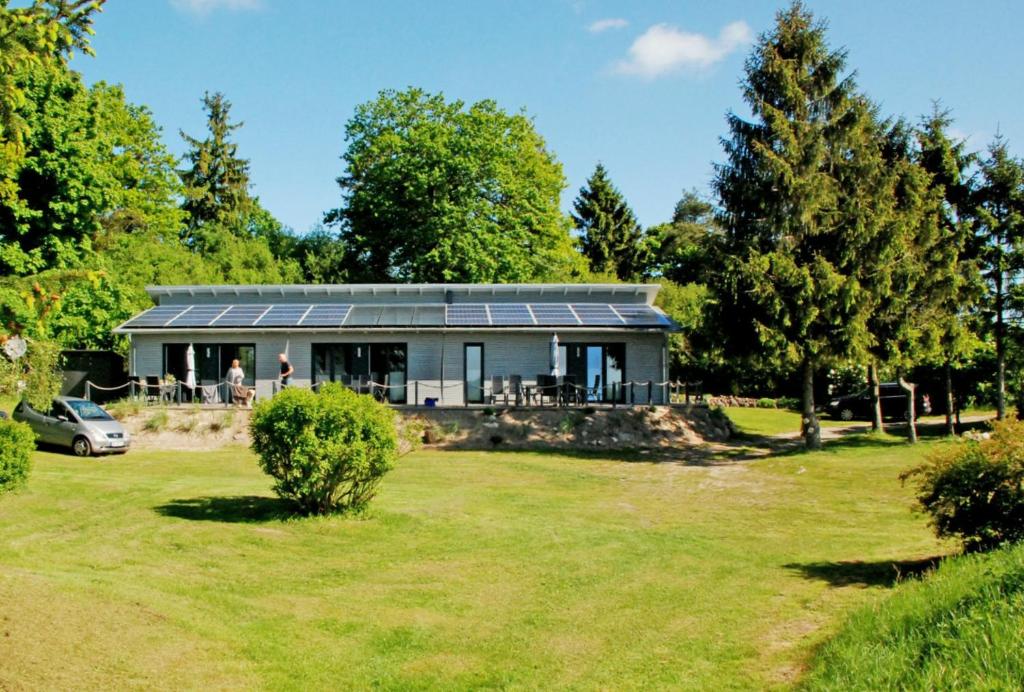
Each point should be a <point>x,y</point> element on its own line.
<point>332,315</point>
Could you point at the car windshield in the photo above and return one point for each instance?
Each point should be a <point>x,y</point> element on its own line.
<point>86,410</point>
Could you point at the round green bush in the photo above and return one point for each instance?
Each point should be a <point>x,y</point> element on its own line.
<point>974,489</point>
<point>17,442</point>
<point>326,451</point>
<point>766,403</point>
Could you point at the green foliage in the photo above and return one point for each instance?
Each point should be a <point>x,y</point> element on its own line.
<point>957,628</point>
<point>157,422</point>
<point>326,451</point>
<point>610,236</point>
<point>800,195</point>
<point>438,191</point>
<point>686,305</point>
<point>17,442</point>
<point>766,403</point>
<point>682,247</point>
<point>974,489</point>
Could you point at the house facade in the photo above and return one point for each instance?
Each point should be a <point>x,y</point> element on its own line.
<point>444,342</point>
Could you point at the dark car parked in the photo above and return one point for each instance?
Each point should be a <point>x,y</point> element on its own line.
<point>894,404</point>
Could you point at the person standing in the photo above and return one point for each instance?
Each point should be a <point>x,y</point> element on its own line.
<point>286,370</point>
<point>237,391</point>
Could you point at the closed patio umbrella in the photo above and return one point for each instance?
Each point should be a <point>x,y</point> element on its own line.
<point>556,368</point>
<point>190,367</point>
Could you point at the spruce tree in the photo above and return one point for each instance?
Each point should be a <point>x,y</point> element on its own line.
<point>610,237</point>
<point>217,179</point>
<point>997,208</point>
<point>797,231</point>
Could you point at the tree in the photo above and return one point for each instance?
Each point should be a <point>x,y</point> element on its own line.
<point>437,191</point>
<point>681,246</point>
<point>46,31</point>
<point>796,231</point>
<point>997,208</point>
<point>217,179</point>
<point>610,237</point>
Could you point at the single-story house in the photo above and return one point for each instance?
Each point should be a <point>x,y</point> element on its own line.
<point>440,341</point>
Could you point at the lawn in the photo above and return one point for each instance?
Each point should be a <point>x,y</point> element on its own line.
<point>473,569</point>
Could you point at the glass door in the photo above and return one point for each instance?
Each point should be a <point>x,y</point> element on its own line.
<point>473,376</point>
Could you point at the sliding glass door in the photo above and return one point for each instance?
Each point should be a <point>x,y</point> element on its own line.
<point>473,374</point>
<point>599,367</point>
<point>380,363</point>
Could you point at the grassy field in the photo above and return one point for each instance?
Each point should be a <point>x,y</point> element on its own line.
<point>498,569</point>
<point>958,629</point>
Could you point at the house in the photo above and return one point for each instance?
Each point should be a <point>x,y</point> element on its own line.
<point>437,341</point>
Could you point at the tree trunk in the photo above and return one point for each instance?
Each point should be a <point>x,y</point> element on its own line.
<point>876,400</point>
<point>809,420</point>
<point>1000,347</point>
<point>911,390</point>
<point>950,427</point>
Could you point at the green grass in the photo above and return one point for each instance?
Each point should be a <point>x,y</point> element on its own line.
<point>770,422</point>
<point>960,628</point>
<point>171,569</point>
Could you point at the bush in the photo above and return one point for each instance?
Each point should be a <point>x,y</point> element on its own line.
<point>766,403</point>
<point>327,452</point>
<point>790,403</point>
<point>974,489</point>
<point>17,442</point>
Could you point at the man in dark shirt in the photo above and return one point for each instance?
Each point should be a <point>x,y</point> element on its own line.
<point>286,370</point>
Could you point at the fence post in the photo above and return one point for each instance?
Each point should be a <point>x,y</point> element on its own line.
<point>88,390</point>
<point>416,393</point>
<point>650,392</point>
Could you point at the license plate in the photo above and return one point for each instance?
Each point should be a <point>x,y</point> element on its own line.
<point>117,443</point>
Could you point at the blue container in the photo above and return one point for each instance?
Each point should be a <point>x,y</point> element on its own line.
<point>430,402</point>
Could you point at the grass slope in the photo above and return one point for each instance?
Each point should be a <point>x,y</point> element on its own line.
<point>960,628</point>
<point>170,570</point>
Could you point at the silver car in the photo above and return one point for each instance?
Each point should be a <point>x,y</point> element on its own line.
<point>76,423</point>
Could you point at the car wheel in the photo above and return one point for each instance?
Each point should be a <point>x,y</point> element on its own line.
<point>81,447</point>
<point>846,414</point>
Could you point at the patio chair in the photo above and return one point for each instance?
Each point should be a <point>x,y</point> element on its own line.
<point>152,389</point>
<point>547,386</point>
<point>498,389</point>
<point>515,383</point>
<point>595,393</point>
<point>569,394</point>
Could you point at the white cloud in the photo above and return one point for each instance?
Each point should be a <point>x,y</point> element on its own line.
<point>663,49</point>
<point>602,25</point>
<point>203,7</point>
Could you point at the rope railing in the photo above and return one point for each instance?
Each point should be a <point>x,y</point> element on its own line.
<point>615,393</point>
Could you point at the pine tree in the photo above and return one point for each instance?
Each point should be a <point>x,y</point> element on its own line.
<point>217,180</point>
<point>611,239</point>
<point>997,208</point>
<point>793,193</point>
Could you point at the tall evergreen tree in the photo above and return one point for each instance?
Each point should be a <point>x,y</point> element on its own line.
<point>611,239</point>
<point>680,247</point>
<point>217,179</point>
<point>797,230</point>
<point>998,215</point>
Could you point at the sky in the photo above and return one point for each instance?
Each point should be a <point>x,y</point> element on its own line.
<point>641,86</point>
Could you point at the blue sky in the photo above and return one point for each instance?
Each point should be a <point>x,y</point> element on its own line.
<point>642,86</point>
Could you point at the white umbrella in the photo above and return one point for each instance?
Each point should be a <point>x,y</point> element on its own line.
<point>556,369</point>
<point>190,366</point>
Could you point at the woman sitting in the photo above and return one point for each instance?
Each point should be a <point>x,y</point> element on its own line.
<point>236,381</point>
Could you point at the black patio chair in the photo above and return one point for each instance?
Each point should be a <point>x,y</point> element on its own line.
<point>515,384</point>
<point>547,386</point>
<point>152,388</point>
<point>570,395</point>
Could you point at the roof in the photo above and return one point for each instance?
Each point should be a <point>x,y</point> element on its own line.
<point>293,316</point>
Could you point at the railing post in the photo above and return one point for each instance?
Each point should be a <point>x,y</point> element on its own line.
<point>88,390</point>
<point>650,392</point>
<point>416,393</point>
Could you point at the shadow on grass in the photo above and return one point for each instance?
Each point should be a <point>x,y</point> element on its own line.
<point>232,510</point>
<point>856,573</point>
<point>690,455</point>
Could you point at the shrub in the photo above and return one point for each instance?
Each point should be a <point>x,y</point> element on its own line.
<point>766,403</point>
<point>974,489</point>
<point>17,442</point>
<point>327,452</point>
<point>124,408</point>
<point>791,403</point>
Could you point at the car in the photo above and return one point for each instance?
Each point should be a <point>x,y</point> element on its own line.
<point>79,424</point>
<point>892,396</point>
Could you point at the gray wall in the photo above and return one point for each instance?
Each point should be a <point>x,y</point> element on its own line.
<point>505,353</point>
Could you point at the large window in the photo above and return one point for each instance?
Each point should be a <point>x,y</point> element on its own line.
<point>346,363</point>
<point>473,375</point>
<point>599,367</point>
<point>212,362</point>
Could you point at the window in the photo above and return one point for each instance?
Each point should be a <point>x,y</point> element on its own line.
<point>346,363</point>
<point>473,373</point>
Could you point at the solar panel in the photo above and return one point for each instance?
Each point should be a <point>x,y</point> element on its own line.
<point>597,314</point>
<point>198,316</point>
<point>283,315</point>
<point>240,316</point>
<point>510,315</point>
<point>157,316</point>
<point>641,316</point>
<point>326,315</point>
<point>553,314</point>
<point>467,315</point>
